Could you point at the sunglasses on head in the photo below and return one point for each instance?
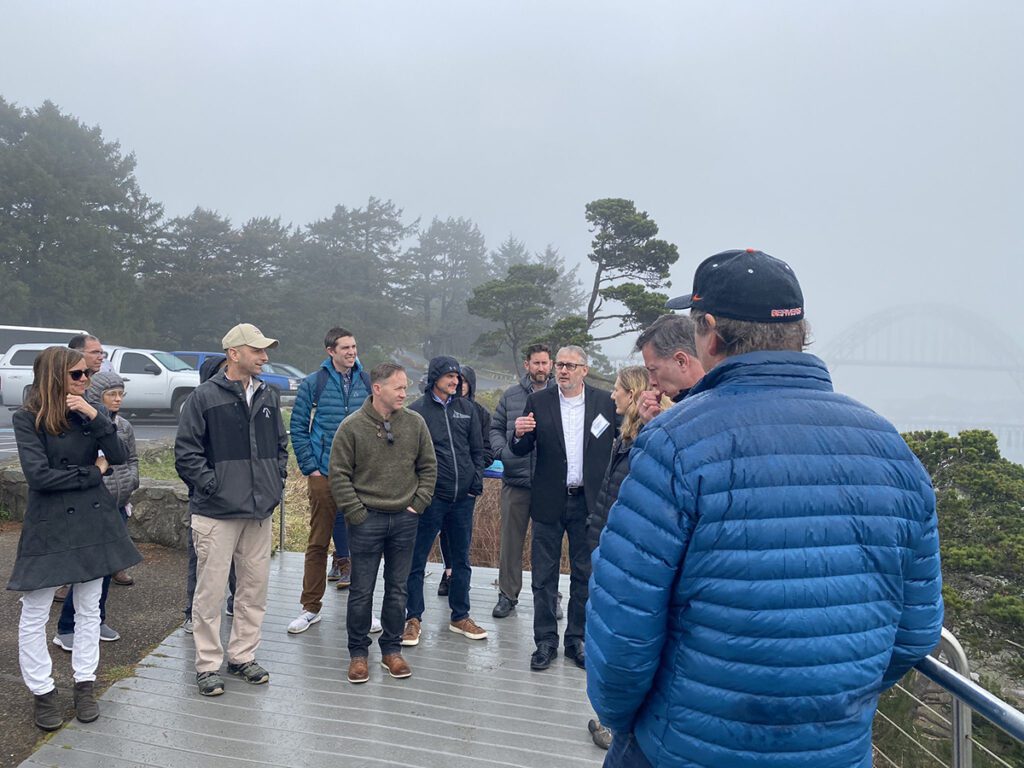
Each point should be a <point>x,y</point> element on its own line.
<point>78,374</point>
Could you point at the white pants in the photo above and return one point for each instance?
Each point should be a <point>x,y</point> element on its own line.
<point>34,651</point>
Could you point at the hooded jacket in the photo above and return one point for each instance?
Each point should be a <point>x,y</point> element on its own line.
<point>518,470</point>
<point>469,376</point>
<point>232,456</point>
<point>455,431</point>
<point>770,567</point>
<point>124,478</point>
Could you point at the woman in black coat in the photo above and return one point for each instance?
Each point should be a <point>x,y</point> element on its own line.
<point>629,385</point>
<point>73,533</point>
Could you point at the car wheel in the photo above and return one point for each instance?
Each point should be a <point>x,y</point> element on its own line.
<point>179,401</point>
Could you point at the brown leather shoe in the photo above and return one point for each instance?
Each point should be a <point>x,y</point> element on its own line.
<point>411,636</point>
<point>396,665</point>
<point>61,594</point>
<point>358,670</point>
<point>123,578</point>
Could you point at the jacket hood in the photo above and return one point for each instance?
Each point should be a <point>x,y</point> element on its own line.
<point>210,366</point>
<point>469,376</point>
<point>438,367</point>
<point>100,383</point>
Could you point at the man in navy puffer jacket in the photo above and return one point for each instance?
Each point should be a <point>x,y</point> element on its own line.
<point>772,562</point>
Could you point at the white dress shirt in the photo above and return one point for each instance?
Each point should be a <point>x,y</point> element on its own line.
<point>572,409</point>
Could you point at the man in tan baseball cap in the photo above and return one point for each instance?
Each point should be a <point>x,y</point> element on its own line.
<point>234,460</point>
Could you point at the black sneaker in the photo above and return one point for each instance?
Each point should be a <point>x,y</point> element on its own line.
<point>251,672</point>
<point>209,684</point>
<point>503,608</point>
<point>444,585</point>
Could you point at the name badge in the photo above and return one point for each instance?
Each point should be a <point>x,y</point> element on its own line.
<point>599,426</point>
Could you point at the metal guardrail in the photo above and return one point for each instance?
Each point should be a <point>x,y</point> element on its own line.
<point>968,697</point>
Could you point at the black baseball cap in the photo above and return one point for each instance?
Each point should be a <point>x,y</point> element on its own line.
<point>745,285</point>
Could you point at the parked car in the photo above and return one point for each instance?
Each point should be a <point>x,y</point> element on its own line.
<point>285,370</point>
<point>285,384</point>
<point>16,372</point>
<point>154,380</point>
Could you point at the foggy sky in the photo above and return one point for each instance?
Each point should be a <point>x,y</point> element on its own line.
<point>876,146</point>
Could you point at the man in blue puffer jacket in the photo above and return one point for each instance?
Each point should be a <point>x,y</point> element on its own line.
<point>772,562</point>
<point>325,398</point>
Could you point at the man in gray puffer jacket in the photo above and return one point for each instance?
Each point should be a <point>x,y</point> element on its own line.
<point>106,390</point>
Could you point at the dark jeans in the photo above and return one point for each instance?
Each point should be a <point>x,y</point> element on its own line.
<point>446,552</point>
<point>625,753</point>
<point>340,536</point>
<point>66,622</point>
<point>545,557</point>
<point>455,518</point>
<point>391,535</point>
<point>190,586</point>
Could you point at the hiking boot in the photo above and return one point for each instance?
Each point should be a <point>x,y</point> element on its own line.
<point>86,708</point>
<point>250,671</point>
<point>335,572</point>
<point>108,634</point>
<point>358,670</point>
<point>469,628</point>
<point>411,636</point>
<point>396,665</point>
<point>209,684</point>
<point>444,585</point>
<point>47,712</point>
<point>602,736</point>
<point>344,573</point>
<point>65,642</point>
<point>122,578</point>
<point>61,593</point>
<point>187,626</point>
<point>503,608</point>
<point>376,627</point>
<point>305,620</point>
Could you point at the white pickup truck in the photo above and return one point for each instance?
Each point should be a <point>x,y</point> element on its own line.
<point>154,380</point>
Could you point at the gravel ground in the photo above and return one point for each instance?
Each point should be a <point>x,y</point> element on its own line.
<point>144,614</point>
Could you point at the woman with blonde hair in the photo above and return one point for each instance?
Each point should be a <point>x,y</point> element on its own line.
<point>630,383</point>
<point>73,533</point>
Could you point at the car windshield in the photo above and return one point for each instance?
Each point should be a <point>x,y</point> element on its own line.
<point>289,370</point>
<point>172,362</point>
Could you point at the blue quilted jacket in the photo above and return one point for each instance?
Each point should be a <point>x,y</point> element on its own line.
<point>770,567</point>
<point>313,446</point>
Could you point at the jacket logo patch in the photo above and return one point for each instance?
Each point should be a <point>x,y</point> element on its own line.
<point>457,415</point>
<point>266,412</point>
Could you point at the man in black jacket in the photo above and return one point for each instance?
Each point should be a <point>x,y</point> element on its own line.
<point>454,426</point>
<point>517,475</point>
<point>232,452</point>
<point>572,428</point>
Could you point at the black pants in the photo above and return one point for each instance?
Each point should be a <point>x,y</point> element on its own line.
<point>390,535</point>
<point>545,557</point>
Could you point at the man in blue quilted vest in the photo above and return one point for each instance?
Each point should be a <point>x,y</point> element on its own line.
<point>772,562</point>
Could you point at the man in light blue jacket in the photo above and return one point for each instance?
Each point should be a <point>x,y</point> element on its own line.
<point>772,562</point>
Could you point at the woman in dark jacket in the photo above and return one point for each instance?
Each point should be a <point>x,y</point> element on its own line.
<point>629,385</point>
<point>73,533</point>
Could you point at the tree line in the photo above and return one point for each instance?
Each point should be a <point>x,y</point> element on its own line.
<point>82,245</point>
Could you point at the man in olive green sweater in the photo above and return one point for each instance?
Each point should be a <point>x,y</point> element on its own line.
<point>382,475</point>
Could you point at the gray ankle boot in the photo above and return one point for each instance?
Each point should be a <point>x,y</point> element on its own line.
<point>48,714</point>
<point>86,708</point>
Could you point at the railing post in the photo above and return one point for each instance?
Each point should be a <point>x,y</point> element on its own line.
<point>963,756</point>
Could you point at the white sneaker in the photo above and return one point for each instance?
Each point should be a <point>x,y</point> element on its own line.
<point>304,622</point>
<point>376,626</point>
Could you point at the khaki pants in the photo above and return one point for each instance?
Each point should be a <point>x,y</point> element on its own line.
<point>515,517</point>
<point>217,542</point>
<point>322,514</point>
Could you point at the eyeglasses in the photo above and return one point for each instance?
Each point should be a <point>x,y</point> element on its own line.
<point>567,366</point>
<point>387,432</point>
<point>77,374</point>
<point>114,393</point>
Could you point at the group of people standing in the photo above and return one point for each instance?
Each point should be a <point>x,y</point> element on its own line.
<point>764,550</point>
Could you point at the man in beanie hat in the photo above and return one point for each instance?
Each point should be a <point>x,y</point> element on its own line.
<point>455,430</point>
<point>106,389</point>
<point>232,453</point>
<point>772,563</point>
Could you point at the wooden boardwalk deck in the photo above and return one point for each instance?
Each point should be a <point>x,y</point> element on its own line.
<point>468,704</point>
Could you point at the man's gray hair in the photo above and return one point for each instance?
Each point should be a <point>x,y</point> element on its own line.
<point>576,351</point>
<point>668,335</point>
<point>739,337</point>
